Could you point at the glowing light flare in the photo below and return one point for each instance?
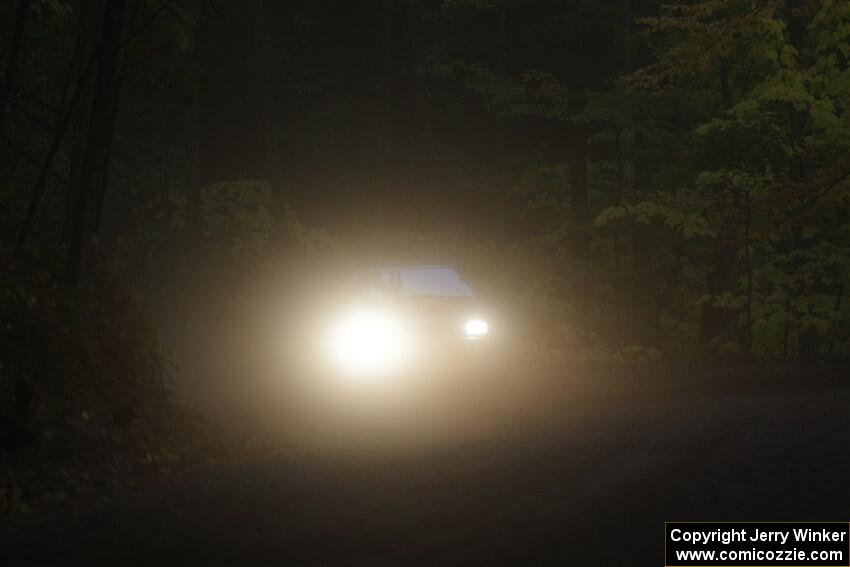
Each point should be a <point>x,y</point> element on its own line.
<point>476,328</point>
<point>368,344</point>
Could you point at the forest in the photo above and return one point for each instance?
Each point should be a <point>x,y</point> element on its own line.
<point>640,181</point>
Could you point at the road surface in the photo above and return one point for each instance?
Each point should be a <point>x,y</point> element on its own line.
<point>587,473</point>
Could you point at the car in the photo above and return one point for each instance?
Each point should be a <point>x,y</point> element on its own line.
<point>405,318</point>
<point>381,352</point>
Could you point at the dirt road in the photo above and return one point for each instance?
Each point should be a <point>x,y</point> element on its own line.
<point>588,474</point>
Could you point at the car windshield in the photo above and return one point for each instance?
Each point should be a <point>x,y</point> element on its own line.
<point>436,281</point>
<point>413,282</point>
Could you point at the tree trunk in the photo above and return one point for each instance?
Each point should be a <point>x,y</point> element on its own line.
<point>808,341</point>
<point>502,68</point>
<point>58,135</point>
<point>101,125</point>
<point>721,322</point>
<point>579,202</point>
<point>267,108</point>
<point>233,142</point>
<point>194,203</point>
<point>88,26</point>
<point>578,177</point>
<point>506,213</point>
<point>420,134</point>
<point>619,28</point>
<point>15,50</point>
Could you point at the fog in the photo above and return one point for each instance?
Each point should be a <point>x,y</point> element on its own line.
<point>418,281</point>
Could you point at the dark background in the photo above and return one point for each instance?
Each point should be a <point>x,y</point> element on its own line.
<point>635,184</point>
<point>680,170</point>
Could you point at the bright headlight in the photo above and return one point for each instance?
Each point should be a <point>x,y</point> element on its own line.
<point>476,328</point>
<point>367,343</point>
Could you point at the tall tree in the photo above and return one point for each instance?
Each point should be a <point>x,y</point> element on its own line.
<point>12,62</point>
<point>87,24</point>
<point>94,169</point>
<point>267,95</point>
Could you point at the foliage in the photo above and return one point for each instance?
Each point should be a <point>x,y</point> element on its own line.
<point>738,167</point>
<point>714,134</point>
<point>309,239</point>
<point>728,140</point>
<point>82,373</point>
<point>237,215</point>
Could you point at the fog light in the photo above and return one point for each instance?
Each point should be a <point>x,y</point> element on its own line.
<point>476,328</point>
<point>366,343</point>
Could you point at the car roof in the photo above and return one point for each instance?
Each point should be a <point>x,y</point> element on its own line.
<point>403,267</point>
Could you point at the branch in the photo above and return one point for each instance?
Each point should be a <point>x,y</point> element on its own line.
<point>29,97</point>
<point>28,113</point>
<point>62,125</point>
<point>15,51</point>
<point>146,25</point>
<point>826,188</point>
<point>31,160</point>
<point>820,188</point>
